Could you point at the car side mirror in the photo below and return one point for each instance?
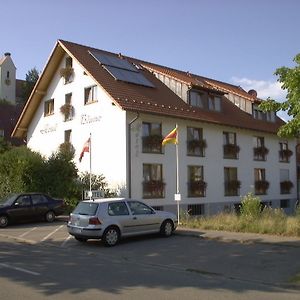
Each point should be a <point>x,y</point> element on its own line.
<point>16,204</point>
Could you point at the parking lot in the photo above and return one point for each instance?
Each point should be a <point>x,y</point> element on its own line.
<point>35,233</point>
<point>179,264</point>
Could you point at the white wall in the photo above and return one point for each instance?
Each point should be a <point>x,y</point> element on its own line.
<point>104,121</point>
<point>213,163</point>
<point>108,124</point>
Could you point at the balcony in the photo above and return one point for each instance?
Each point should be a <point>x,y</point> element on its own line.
<point>261,187</point>
<point>197,188</point>
<point>260,153</point>
<point>153,189</point>
<point>196,147</point>
<point>286,186</point>
<point>284,155</point>
<point>152,144</point>
<point>231,151</point>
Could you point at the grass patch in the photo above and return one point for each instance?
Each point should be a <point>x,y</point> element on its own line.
<point>253,219</point>
<point>276,223</point>
<point>295,279</point>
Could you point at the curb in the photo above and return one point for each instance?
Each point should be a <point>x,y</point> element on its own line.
<point>243,238</point>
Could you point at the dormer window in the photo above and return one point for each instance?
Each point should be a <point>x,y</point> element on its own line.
<point>204,100</point>
<point>214,103</point>
<point>198,99</point>
<point>264,116</point>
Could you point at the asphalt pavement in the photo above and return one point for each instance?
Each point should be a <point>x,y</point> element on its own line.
<point>227,236</point>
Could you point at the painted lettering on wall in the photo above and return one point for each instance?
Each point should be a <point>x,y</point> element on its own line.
<point>86,119</point>
<point>48,129</point>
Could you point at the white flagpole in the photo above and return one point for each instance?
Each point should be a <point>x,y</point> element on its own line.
<point>90,145</point>
<point>177,176</point>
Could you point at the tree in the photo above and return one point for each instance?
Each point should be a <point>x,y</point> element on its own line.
<point>4,145</point>
<point>32,77</point>
<point>60,173</point>
<point>98,182</point>
<point>20,171</point>
<point>290,80</point>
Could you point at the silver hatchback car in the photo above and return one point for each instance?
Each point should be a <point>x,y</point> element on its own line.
<point>111,219</point>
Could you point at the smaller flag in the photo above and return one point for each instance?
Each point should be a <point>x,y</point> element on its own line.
<point>171,138</point>
<point>86,148</point>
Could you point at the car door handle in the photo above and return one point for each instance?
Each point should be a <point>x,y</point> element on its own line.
<point>134,218</point>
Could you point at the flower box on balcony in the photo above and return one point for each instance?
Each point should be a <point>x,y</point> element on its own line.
<point>152,143</point>
<point>153,189</point>
<point>285,155</point>
<point>66,73</point>
<point>231,150</point>
<point>192,144</point>
<point>260,151</point>
<point>197,188</point>
<point>261,186</point>
<point>285,186</point>
<point>67,110</point>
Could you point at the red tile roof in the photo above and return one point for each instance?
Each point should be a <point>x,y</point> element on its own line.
<point>159,100</point>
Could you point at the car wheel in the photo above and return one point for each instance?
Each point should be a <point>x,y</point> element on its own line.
<point>111,236</point>
<point>80,239</point>
<point>50,216</point>
<point>3,221</point>
<point>167,228</point>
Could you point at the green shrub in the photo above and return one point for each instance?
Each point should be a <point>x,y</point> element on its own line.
<point>70,204</point>
<point>250,207</point>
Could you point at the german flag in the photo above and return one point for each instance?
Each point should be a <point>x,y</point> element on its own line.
<point>171,138</point>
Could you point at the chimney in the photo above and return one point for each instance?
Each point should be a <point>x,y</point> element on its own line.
<point>253,93</point>
<point>7,54</point>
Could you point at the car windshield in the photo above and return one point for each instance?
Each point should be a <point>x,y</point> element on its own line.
<point>86,208</point>
<point>9,200</point>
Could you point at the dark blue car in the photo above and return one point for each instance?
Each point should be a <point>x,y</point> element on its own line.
<point>29,206</point>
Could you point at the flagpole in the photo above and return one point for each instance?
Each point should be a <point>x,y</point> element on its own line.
<point>90,193</point>
<point>177,176</point>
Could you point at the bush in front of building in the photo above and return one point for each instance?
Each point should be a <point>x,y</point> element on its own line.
<point>250,207</point>
<point>20,171</point>
<point>23,170</point>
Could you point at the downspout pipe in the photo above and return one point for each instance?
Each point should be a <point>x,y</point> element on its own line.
<point>129,153</point>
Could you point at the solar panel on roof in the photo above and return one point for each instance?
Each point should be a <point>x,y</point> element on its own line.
<point>128,76</point>
<point>113,61</point>
<point>121,69</point>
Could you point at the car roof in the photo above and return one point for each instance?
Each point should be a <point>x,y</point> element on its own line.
<point>101,200</point>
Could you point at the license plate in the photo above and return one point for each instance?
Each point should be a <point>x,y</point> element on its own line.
<point>77,230</point>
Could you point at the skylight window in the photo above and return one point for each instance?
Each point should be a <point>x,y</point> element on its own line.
<point>121,69</point>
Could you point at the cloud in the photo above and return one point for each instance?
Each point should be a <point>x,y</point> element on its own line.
<point>264,89</point>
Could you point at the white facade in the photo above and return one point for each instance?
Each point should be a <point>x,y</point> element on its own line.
<point>104,121</point>
<point>213,165</point>
<point>7,79</point>
<point>109,126</point>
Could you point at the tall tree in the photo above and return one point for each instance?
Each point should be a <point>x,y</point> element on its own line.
<point>31,78</point>
<point>290,80</point>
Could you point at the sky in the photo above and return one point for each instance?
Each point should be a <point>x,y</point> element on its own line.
<point>241,42</point>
